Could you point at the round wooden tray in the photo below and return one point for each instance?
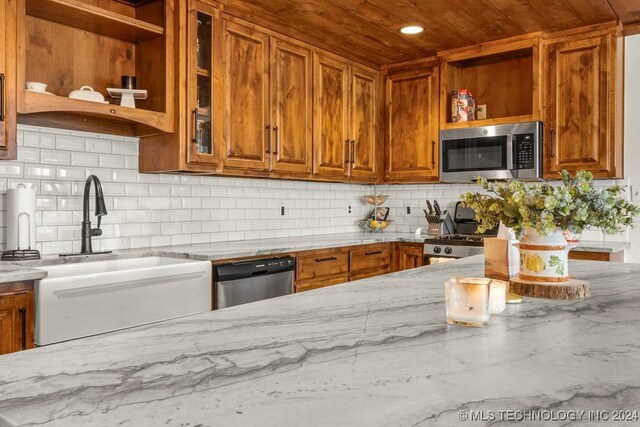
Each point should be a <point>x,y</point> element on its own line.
<point>573,289</point>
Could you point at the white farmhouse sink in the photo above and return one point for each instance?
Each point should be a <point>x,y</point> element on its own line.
<point>87,298</point>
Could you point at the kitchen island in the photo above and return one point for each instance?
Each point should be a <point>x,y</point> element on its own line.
<point>370,352</point>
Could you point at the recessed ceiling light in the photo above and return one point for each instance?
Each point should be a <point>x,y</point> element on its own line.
<point>411,29</point>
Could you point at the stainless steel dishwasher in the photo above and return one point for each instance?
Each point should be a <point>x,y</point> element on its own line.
<point>242,282</point>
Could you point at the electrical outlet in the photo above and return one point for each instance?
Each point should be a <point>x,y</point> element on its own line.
<point>635,193</point>
<point>349,208</point>
<point>407,207</point>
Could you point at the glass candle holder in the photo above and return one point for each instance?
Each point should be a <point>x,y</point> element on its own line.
<point>467,301</point>
<point>497,296</point>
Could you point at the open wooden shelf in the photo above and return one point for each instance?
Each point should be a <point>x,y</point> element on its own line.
<point>76,14</point>
<point>505,77</point>
<point>152,121</point>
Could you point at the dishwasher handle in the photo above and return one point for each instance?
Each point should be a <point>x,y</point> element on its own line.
<point>247,269</point>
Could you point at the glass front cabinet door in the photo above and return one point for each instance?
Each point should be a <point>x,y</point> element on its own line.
<point>203,53</point>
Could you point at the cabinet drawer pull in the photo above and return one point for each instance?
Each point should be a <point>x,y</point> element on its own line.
<point>331,258</point>
<point>268,128</point>
<point>195,126</point>
<point>275,130</point>
<point>23,315</point>
<point>353,152</point>
<point>1,97</point>
<point>372,253</point>
<point>348,162</point>
<point>553,146</point>
<point>433,154</point>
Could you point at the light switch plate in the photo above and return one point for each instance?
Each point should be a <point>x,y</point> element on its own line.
<point>635,193</point>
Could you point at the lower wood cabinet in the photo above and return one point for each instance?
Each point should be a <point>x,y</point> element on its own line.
<point>326,267</point>
<point>16,317</point>
<point>369,261</point>
<point>597,256</point>
<point>410,255</point>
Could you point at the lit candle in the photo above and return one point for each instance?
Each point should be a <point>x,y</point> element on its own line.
<point>467,301</point>
<point>497,296</point>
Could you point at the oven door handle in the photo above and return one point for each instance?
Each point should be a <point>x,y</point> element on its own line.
<point>510,152</point>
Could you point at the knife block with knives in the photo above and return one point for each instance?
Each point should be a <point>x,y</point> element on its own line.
<point>439,222</point>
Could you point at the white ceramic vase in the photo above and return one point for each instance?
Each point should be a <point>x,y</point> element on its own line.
<point>543,258</point>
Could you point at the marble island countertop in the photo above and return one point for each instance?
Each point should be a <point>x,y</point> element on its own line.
<point>217,251</point>
<point>14,273</point>
<point>370,352</point>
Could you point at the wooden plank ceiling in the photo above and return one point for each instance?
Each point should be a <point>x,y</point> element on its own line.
<point>367,30</point>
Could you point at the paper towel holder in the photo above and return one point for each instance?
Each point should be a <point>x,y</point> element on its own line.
<point>22,254</point>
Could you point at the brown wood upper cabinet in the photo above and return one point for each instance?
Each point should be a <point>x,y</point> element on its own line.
<point>8,80</point>
<point>267,91</point>
<point>16,317</point>
<point>246,97</point>
<point>203,56</point>
<point>412,125</point>
<point>584,104</point>
<point>345,120</point>
<point>291,107</point>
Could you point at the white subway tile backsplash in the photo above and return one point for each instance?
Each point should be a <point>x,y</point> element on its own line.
<point>97,146</point>
<point>111,161</point>
<point>122,147</point>
<point>72,143</point>
<point>55,157</point>
<point>137,189</point>
<point>11,169</point>
<point>36,139</point>
<point>56,218</point>
<point>55,188</point>
<point>84,159</point>
<point>70,173</point>
<point>168,209</point>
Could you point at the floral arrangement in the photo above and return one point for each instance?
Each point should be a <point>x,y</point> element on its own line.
<point>574,205</point>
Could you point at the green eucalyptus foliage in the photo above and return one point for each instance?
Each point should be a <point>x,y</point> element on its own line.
<point>575,205</point>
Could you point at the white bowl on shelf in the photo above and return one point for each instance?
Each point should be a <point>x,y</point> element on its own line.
<point>86,93</point>
<point>36,87</point>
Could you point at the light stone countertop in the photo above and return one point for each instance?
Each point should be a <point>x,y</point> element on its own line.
<point>216,251</point>
<point>13,273</point>
<point>370,352</point>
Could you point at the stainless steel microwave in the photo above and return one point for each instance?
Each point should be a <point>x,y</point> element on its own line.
<point>493,152</point>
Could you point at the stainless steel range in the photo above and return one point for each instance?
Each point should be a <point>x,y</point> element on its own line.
<point>463,243</point>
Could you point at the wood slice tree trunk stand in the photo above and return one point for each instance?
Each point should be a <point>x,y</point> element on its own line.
<point>573,289</point>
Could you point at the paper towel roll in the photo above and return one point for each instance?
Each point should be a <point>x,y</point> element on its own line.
<point>21,218</point>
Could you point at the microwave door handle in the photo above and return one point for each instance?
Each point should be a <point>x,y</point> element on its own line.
<point>510,152</point>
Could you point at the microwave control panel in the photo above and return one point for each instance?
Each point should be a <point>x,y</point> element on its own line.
<point>523,151</point>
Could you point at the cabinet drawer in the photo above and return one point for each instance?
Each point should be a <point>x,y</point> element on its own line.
<point>370,273</point>
<point>301,287</point>
<point>374,257</point>
<point>321,265</point>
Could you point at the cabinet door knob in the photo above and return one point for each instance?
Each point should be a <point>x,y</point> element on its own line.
<point>553,145</point>
<point>275,130</point>
<point>23,316</point>
<point>433,154</point>
<point>1,97</point>
<point>353,152</point>
<point>194,138</point>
